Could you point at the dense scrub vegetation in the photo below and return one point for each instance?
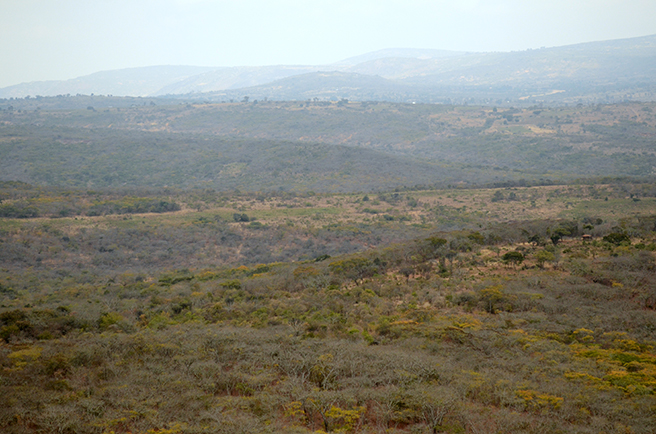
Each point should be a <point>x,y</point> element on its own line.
<point>323,146</point>
<point>449,320</point>
<point>102,158</point>
<point>86,228</point>
<point>177,269</point>
<point>20,200</point>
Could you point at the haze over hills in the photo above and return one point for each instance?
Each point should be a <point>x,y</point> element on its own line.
<point>593,72</point>
<point>233,78</point>
<point>163,80</point>
<point>407,53</point>
<point>121,82</point>
<point>602,71</point>
<point>324,85</point>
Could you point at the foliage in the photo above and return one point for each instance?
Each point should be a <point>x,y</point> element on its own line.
<point>514,258</point>
<point>132,206</point>
<point>617,238</point>
<point>191,322</point>
<point>274,145</point>
<point>544,256</point>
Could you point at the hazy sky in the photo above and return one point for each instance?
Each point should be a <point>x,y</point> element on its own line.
<point>61,39</point>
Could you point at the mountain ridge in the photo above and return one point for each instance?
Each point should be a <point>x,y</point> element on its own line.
<point>594,71</point>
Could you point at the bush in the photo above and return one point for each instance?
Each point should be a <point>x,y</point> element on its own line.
<point>18,211</point>
<point>617,238</point>
<point>544,256</point>
<point>240,217</point>
<point>514,258</point>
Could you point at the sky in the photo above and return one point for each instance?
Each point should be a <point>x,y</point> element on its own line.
<point>63,39</point>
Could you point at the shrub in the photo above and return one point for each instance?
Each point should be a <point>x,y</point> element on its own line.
<point>544,256</point>
<point>240,217</point>
<point>514,258</point>
<point>617,238</point>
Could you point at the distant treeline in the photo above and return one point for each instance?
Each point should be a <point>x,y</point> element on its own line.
<point>54,208</point>
<point>132,206</point>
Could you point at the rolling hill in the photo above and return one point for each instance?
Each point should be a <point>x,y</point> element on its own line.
<point>412,143</point>
<point>604,71</point>
<point>123,82</point>
<point>110,158</point>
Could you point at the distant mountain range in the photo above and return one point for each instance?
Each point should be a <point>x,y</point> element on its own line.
<point>603,71</point>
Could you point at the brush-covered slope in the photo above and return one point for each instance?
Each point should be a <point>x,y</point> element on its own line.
<point>501,144</point>
<point>114,158</point>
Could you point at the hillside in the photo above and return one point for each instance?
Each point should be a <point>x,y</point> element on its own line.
<point>324,86</point>
<point>131,82</point>
<point>598,72</point>
<point>197,267</point>
<point>321,146</point>
<point>232,78</point>
<point>317,314</point>
<point>224,262</point>
<point>591,72</point>
<point>164,80</point>
<point>113,158</point>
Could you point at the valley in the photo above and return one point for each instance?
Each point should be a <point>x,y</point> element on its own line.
<point>315,266</point>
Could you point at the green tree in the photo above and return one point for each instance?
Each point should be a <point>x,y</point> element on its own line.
<point>543,256</point>
<point>617,238</point>
<point>514,258</point>
<point>240,217</point>
<point>491,297</point>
